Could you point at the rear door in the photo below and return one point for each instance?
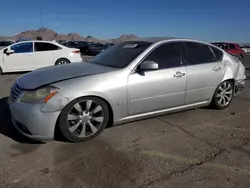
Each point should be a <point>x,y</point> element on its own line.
<point>22,59</point>
<point>204,71</point>
<point>46,54</point>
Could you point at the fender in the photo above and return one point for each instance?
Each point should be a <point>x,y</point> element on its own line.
<point>227,74</point>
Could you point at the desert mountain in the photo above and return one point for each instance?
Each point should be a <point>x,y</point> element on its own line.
<point>124,38</point>
<point>48,34</point>
<point>92,39</point>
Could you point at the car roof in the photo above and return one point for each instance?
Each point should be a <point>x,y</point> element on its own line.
<point>157,39</point>
<point>224,43</point>
<point>37,41</point>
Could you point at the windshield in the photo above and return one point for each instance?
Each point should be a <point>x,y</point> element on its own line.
<point>120,55</point>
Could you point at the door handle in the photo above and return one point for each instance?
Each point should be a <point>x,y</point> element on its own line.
<point>216,68</point>
<point>179,74</point>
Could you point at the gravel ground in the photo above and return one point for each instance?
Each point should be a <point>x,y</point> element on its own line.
<point>199,148</point>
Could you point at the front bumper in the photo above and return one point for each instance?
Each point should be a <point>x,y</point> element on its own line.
<point>31,122</point>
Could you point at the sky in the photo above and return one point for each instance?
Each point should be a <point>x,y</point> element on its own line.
<point>213,20</point>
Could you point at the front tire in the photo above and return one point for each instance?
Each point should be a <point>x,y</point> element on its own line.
<point>223,95</point>
<point>83,119</point>
<point>62,61</point>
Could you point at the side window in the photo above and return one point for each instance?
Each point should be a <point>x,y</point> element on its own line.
<point>231,46</point>
<point>25,47</point>
<point>198,53</point>
<point>43,46</point>
<point>167,55</point>
<point>218,53</point>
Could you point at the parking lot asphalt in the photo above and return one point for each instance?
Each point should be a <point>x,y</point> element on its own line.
<point>200,148</point>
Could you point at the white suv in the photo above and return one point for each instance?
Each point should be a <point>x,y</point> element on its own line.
<point>31,55</point>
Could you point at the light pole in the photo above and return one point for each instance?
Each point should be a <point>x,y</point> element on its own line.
<point>41,12</point>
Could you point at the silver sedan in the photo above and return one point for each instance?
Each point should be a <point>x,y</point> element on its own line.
<point>131,80</point>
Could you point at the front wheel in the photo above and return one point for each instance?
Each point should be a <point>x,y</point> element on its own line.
<point>83,119</point>
<point>223,95</point>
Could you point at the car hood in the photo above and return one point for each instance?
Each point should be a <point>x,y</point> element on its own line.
<point>48,75</point>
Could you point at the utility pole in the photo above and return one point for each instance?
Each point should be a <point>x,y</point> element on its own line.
<point>41,37</point>
<point>41,12</point>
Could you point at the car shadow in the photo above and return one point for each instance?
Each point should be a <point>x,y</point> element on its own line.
<point>7,128</point>
<point>16,73</point>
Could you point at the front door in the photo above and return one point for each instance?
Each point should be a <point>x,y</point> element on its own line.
<point>204,71</point>
<point>22,59</point>
<point>158,89</point>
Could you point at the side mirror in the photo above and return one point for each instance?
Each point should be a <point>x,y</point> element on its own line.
<point>149,65</point>
<point>9,51</point>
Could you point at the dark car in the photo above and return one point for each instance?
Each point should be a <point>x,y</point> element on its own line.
<point>108,45</point>
<point>81,45</point>
<point>232,48</point>
<point>6,43</point>
<point>61,41</point>
<point>88,48</point>
<point>95,48</point>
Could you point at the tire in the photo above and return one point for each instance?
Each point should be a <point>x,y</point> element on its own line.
<point>1,71</point>
<point>223,94</point>
<point>77,124</point>
<point>62,61</point>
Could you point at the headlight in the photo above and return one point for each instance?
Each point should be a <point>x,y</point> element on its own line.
<point>40,95</point>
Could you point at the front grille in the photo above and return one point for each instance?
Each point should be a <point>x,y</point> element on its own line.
<point>15,92</point>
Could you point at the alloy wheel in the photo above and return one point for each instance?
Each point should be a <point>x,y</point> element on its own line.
<point>224,93</point>
<point>62,62</point>
<point>85,118</point>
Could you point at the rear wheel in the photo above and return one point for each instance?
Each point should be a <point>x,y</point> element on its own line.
<point>62,61</point>
<point>223,95</point>
<point>83,119</point>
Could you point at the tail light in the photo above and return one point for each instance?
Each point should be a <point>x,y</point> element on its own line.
<point>76,52</point>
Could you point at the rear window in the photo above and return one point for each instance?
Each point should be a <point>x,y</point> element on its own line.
<point>120,55</point>
<point>218,53</point>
